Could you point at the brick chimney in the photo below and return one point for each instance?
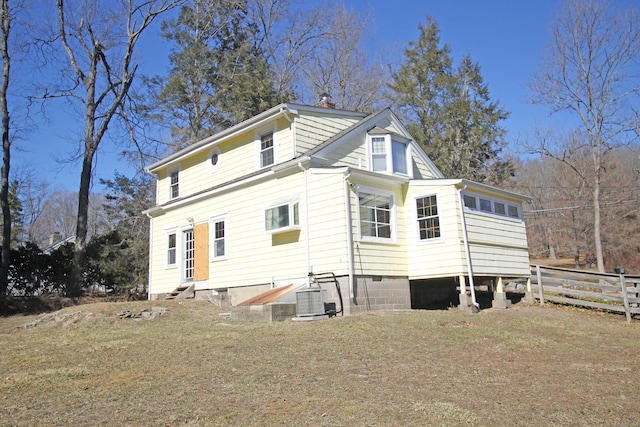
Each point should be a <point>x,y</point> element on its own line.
<point>325,101</point>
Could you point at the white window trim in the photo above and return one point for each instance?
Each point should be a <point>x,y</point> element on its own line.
<point>258,146</point>
<point>393,222</point>
<point>292,225</point>
<point>417,225</point>
<point>388,141</point>
<point>212,238</point>
<point>170,172</point>
<point>493,200</point>
<point>167,233</point>
<point>212,167</point>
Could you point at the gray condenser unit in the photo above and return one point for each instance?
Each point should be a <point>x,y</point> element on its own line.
<point>310,302</point>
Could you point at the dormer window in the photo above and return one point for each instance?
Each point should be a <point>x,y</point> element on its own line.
<point>388,152</point>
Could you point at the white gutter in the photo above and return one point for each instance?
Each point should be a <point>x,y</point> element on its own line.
<point>306,224</point>
<point>347,202</point>
<point>285,112</point>
<point>466,248</point>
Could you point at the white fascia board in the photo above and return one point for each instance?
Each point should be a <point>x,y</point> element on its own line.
<point>378,178</point>
<point>467,184</point>
<point>471,185</point>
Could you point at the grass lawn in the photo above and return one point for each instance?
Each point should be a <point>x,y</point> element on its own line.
<point>528,365</point>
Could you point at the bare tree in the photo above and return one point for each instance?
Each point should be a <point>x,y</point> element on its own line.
<point>288,35</point>
<point>591,72</point>
<point>5,28</point>
<point>99,39</point>
<point>341,66</point>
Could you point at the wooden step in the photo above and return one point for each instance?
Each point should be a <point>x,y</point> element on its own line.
<point>182,292</point>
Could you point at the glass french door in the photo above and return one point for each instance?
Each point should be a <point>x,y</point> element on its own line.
<point>188,255</point>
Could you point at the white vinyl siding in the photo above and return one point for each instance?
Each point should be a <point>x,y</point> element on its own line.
<point>238,157</point>
<point>312,129</point>
<point>444,256</point>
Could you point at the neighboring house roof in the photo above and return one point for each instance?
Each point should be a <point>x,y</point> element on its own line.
<point>57,245</point>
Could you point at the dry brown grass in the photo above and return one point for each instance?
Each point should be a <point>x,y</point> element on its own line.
<point>524,366</point>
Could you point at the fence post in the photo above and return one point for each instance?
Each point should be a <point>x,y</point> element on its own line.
<point>625,297</point>
<point>539,274</point>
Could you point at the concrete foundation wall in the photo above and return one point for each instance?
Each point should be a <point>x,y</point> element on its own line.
<point>371,293</point>
<point>276,312</point>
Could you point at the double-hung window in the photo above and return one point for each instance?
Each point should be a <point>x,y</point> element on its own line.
<point>376,216</point>
<point>219,238</point>
<point>267,155</point>
<point>171,249</point>
<point>379,153</point>
<point>389,153</point>
<point>174,185</point>
<point>428,219</point>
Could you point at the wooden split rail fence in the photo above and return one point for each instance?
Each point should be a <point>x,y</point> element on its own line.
<point>612,292</point>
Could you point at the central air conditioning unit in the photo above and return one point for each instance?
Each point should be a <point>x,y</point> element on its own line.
<point>310,302</point>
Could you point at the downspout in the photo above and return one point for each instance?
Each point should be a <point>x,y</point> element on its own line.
<point>285,112</point>
<point>466,248</point>
<point>150,256</point>
<point>306,225</point>
<point>347,203</point>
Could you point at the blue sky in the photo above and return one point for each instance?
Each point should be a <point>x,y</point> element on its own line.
<point>506,37</point>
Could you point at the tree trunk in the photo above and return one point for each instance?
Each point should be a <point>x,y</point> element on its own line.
<point>75,284</point>
<point>6,152</point>
<point>74,287</point>
<point>596,223</point>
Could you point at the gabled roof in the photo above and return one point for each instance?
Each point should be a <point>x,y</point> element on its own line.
<point>285,109</point>
<point>368,125</point>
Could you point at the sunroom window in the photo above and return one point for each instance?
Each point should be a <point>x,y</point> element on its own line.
<point>492,206</point>
<point>281,218</point>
